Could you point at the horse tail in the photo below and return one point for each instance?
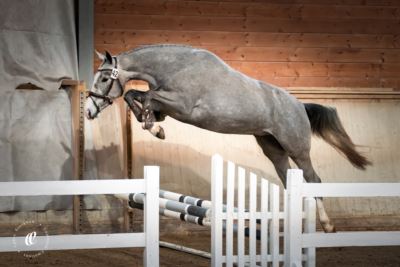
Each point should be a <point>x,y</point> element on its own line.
<point>326,124</point>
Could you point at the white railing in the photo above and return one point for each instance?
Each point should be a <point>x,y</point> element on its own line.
<point>297,190</point>
<point>237,219</point>
<point>149,238</point>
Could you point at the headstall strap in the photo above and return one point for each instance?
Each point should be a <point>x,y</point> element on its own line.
<point>113,76</point>
<point>104,97</point>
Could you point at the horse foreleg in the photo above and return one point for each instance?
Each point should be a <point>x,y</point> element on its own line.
<point>148,123</point>
<point>130,98</point>
<point>145,113</point>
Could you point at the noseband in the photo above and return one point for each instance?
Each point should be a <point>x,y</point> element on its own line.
<point>105,97</point>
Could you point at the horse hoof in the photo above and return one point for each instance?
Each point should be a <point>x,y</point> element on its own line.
<point>329,228</point>
<point>161,134</point>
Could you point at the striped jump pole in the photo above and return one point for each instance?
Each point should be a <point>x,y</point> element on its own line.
<point>170,205</point>
<point>194,201</point>
<point>176,215</point>
<point>177,206</point>
<point>185,199</point>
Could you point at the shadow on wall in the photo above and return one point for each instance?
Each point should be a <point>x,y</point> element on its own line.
<point>109,208</point>
<point>182,169</point>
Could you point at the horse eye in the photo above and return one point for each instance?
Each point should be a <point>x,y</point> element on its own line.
<point>103,80</point>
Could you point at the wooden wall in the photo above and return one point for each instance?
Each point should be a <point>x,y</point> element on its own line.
<point>346,49</point>
<point>320,43</point>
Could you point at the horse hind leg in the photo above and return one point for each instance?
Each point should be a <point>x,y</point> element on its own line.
<point>304,163</point>
<point>274,152</point>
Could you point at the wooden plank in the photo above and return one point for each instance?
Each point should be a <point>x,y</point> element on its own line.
<point>304,69</point>
<point>274,226</point>
<point>74,187</point>
<point>310,227</point>
<point>291,54</point>
<point>302,74</point>
<point>264,222</point>
<point>295,218</point>
<point>252,221</point>
<point>125,151</point>
<point>269,54</point>
<point>345,93</point>
<point>286,54</point>
<point>230,198</point>
<point>361,55</point>
<point>351,190</point>
<point>257,39</point>
<point>286,237</point>
<point>69,82</point>
<point>292,69</point>
<point>249,24</point>
<point>353,82</point>
<point>322,2</point>
<point>228,9</point>
<point>351,239</point>
<point>64,242</point>
<point>78,145</point>
<point>151,216</point>
<point>241,216</point>
<point>390,70</point>
<point>216,220</point>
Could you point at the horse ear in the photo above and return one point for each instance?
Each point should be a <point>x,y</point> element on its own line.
<point>108,58</point>
<point>100,55</point>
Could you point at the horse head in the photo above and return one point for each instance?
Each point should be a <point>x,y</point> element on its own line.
<point>106,86</point>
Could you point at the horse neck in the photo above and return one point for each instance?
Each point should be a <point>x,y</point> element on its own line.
<point>132,69</point>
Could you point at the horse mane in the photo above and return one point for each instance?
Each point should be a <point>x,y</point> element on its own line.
<point>143,47</point>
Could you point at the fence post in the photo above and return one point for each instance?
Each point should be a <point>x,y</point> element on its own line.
<point>310,227</point>
<point>230,203</point>
<point>252,219</point>
<point>217,166</point>
<point>295,217</point>
<point>241,216</point>
<point>151,216</point>
<point>264,222</point>
<point>274,226</point>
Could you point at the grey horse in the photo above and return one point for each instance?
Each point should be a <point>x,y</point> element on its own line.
<point>195,86</point>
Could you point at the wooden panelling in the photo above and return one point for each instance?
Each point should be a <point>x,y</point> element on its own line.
<point>346,43</point>
<point>246,9</point>
<point>309,2</point>
<point>290,54</point>
<point>257,39</point>
<point>246,24</point>
<point>342,53</point>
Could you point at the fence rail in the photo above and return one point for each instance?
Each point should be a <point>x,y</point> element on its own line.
<point>149,238</point>
<point>241,189</point>
<point>298,190</point>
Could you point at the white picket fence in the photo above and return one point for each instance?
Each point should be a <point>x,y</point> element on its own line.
<point>149,238</point>
<point>298,190</point>
<point>231,246</point>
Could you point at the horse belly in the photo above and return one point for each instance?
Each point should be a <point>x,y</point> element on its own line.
<point>230,116</point>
